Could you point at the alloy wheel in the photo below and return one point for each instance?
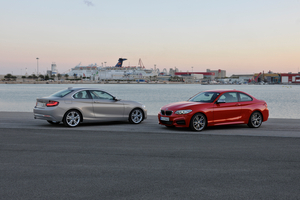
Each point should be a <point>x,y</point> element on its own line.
<point>72,118</point>
<point>255,120</point>
<point>136,116</point>
<point>198,122</point>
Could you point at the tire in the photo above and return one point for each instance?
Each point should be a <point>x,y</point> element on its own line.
<point>255,120</point>
<point>72,118</point>
<point>198,122</point>
<point>53,122</point>
<point>136,116</point>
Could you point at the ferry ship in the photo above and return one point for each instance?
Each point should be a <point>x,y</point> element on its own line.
<point>117,72</point>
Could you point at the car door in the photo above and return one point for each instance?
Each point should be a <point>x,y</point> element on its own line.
<point>84,102</point>
<point>246,103</point>
<point>105,106</point>
<point>228,111</point>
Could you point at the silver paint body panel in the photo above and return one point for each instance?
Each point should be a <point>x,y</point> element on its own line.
<point>91,109</point>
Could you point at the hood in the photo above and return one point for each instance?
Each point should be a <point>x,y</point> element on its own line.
<point>131,102</point>
<point>182,105</point>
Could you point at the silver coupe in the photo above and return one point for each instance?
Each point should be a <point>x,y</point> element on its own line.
<point>75,105</point>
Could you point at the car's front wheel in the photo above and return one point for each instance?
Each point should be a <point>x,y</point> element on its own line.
<point>53,122</point>
<point>255,120</point>
<point>72,118</point>
<point>136,116</point>
<point>198,122</point>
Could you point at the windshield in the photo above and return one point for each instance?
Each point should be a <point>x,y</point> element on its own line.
<point>61,93</point>
<point>208,97</point>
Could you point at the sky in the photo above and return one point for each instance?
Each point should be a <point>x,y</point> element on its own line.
<point>238,36</point>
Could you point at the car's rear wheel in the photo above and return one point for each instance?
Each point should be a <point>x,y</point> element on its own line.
<point>255,120</point>
<point>72,118</point>
<point>136,116</point>
<point>198,122</point>
<point>53,122</point>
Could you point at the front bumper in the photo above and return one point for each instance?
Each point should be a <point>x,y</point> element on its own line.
<point>145,113</point>
<point>175,120</point>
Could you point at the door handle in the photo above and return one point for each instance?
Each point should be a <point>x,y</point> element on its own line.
<point>96,101</point>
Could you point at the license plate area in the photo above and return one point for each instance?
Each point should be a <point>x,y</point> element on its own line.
<point>165,119</point>
<point>40,104</point>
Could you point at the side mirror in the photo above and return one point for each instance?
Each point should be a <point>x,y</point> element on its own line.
<point>221,101</point>
<point>115,99</point>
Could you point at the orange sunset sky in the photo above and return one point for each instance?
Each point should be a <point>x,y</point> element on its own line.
<point>237,36</point>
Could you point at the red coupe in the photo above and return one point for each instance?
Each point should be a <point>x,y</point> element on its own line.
<point>215,107</point>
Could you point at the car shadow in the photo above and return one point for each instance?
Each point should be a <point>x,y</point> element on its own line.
<point>210,128</point>
<point>110,123</point>
<point>86,124</point>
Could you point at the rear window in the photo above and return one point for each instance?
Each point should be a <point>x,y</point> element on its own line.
<point>244,97</point>
<point>62,93</point>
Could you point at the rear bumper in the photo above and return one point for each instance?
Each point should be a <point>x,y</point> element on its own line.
<point>48,113</point>
<point>265,114</point>
<point>44,117</point>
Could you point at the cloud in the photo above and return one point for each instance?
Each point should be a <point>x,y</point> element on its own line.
<point>88,3</point>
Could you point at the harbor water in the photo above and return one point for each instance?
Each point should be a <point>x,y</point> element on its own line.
<point>283,100</point>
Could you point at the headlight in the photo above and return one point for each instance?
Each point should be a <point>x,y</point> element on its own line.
<point>143,106</point>
<point>182,112</point>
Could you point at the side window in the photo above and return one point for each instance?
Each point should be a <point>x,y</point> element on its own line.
<point>205,97</point>
<point>229,97</point>
<point>81,95</point>
<point>96,94</point>
<point>244,97</point>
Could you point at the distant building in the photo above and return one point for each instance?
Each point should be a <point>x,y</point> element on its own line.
<point>290,78</point>
<point>218,73</point>
<point>241,78</point>
<point>269,77</point>
<point>53,69</point>
<point>49,73</point>
<point>172,71</point>
<point>206,75</point>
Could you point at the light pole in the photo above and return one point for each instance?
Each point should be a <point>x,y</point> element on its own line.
<point>37,66</point>
<point>192,69</point>
<point>105,71</point>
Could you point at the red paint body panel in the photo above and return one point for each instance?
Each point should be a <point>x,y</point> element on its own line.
<point>216,113</point>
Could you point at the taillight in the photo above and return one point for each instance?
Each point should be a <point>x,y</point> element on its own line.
<point>265,104</point>
<point>52,103</point>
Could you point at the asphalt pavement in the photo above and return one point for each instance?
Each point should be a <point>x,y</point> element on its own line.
<point>118,160</point>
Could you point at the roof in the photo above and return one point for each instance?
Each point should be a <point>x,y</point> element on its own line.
<point>222,90</point>
<point>83,88</point>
